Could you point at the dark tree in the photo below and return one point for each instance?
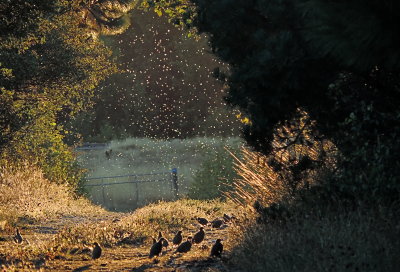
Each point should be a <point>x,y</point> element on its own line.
<point>337,60</point>
<point>49,66</point>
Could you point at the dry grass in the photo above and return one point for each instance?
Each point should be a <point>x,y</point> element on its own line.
<point>26,194</point>
<point>359,241</point>
<point>258,181</point>
<point>27,198</point>
<point>144,223</point>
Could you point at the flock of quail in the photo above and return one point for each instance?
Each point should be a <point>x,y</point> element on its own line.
<point>198,237</point>
<point>162,242</point>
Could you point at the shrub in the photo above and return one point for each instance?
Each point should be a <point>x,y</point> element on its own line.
<point>215,176</point>
<point>43,147</point>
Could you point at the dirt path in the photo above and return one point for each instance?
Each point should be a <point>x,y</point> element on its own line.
<point>126,257</point>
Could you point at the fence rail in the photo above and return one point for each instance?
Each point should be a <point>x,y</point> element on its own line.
<point>130,176</point>
<point>159,177</point>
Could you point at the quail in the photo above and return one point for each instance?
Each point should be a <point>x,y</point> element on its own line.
<point>217,223</point>
<point>217,248</point>
<point>156,248</point>
<point>199,236</point>
<point>185,246</point>
<point>202,221</point>
<point>96,252</point>
<point>165,243</point>
<point>178,238</point>
<point>18,238</point>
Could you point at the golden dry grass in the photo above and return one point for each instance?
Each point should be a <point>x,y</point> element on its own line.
<point>258,180</point>
<point>59,228</point>
<point>126,241</point>
<point>26,194</point>
<point>270,178</point>
<point>144,223</point>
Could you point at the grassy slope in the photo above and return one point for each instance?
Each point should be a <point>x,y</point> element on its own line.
<point>60,228</point>
<point>25,195</point>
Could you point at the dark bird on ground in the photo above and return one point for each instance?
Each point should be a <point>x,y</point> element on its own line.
<point>202,221</point>
<point>185,246</point>
<point>165,243</point>
<point>217,223</point>
<point>217,248</point>
<point>178,238</point>
<point>18,237</point>
<point>156,248</point>
<point>108,154</point>
<point>199,236</point>
<point>96,252</point>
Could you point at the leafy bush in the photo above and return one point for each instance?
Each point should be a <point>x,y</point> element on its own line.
<point>215,176</point>
<point>43,147</point>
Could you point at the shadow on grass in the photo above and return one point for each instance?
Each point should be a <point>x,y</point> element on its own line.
<point>82,268</point>
<point>142,268</point>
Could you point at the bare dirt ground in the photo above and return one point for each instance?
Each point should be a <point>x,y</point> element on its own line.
<point>132,257</point>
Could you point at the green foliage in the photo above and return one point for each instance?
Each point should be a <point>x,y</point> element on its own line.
<point>180,13</point>
<point>215,176</point>
<point>49,68</point>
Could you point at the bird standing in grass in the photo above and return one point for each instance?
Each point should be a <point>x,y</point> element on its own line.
<point>185,246</point>
<point>18,237</point>
<point>217,248</point>
<point>165,243</point>
<point>199,236</point>
<point>178,238</point>
<point>96,252</point>
<point>216,223</point>
<point>202,221</point>
<point>156,248</point>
